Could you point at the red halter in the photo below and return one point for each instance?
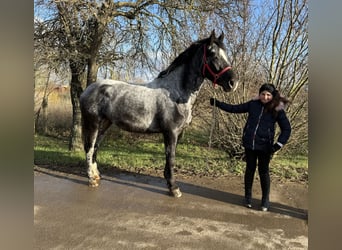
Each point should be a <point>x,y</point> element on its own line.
<point>206,66</point>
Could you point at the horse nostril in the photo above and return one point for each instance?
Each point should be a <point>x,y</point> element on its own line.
<point>233,85</point>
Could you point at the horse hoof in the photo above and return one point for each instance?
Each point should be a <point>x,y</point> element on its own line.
<point>176,193</point>
<point>94,182</point>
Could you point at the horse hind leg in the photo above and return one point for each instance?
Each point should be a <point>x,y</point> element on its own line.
<point>90,132</point>
<point>93,172</point>
<point>104,125</point>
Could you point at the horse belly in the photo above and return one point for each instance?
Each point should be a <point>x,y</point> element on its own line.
<point>132,108</point>
<point>139,120</point>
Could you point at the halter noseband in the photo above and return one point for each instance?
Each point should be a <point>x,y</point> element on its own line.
<point>206,66</point>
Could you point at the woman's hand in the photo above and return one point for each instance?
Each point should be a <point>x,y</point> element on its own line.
<point>275,147</point>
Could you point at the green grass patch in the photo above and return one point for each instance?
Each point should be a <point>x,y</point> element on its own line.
<point>290,167</point>
<point>54,151</point>
<point>146,154</point>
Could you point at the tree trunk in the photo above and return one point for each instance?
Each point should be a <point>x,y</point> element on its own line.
<point>77,81</point>
<point>92,70</point>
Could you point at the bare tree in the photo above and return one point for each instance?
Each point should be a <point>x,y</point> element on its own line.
<point>42,109</point>
<point>47,62</point>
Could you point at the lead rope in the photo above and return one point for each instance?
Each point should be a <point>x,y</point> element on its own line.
<point>213,120</point>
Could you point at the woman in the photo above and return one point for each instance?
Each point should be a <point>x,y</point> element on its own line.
<point>258,136</point>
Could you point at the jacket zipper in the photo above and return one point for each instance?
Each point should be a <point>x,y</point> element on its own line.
<point>256,128</point>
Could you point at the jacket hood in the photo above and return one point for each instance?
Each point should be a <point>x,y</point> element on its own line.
<point>281,106</point>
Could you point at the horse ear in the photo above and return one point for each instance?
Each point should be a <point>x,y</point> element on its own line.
<point>221,37</point>
<point>212,36</point>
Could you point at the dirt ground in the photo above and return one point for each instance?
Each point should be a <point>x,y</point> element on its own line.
<point>134,211</point>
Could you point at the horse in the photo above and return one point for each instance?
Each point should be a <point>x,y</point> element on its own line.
<point>163,105</point>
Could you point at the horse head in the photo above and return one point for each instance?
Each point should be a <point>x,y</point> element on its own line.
<point>215,63</point>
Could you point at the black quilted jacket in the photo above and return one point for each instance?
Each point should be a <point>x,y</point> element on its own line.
<point>259,131</point>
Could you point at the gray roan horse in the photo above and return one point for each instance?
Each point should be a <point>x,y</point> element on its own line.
<point>161,106</point>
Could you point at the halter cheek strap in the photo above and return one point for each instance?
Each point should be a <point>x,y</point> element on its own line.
<point>206,66</point>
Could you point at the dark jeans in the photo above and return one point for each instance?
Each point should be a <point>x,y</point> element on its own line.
<point>262,159</point>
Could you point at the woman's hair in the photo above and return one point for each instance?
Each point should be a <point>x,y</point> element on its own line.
<point>278,101</point>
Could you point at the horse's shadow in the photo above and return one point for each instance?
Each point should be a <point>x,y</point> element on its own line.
<point>157,185</point>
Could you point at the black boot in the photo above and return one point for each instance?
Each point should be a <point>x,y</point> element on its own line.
<point>249,177</point>
<point>265,187</point>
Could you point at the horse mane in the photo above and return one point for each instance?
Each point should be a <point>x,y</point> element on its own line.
<point>183,58</point>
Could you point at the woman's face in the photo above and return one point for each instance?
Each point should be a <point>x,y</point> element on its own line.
<point>265,97</point>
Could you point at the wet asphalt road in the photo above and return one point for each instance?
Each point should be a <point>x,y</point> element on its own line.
<point>130,211</point>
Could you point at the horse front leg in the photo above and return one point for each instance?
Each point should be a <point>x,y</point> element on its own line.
<point>170,142</point>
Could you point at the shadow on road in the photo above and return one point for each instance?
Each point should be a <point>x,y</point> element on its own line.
<point>158,185</point>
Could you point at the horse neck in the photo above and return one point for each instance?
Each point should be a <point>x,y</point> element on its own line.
<point>185,81</point>
<point>192,78</point>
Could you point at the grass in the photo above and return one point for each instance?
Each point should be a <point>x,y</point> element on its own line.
<point>144,154</point>
<point>290,167</point>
